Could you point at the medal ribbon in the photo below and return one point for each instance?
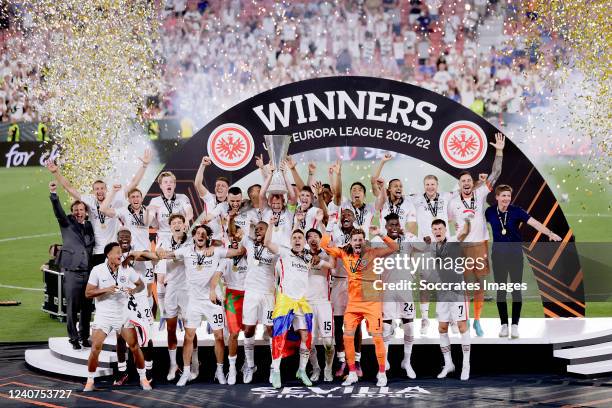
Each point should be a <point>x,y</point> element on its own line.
<point>101,216</point>
<point>472,205</point>
<point>359,214</point>
<point>504,222</point>
<point>434,210</point>
<point>169,207</point>
<point>395,209</point>
<point>138,218</point>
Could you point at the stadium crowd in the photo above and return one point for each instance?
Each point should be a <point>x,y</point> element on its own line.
<point>216,53</point>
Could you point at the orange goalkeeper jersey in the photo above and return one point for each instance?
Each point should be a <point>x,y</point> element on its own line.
<point>360,271</point>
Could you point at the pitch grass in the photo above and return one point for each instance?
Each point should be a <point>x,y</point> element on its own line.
<point>26,211</point>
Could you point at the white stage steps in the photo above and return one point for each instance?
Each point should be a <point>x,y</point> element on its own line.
<point>588,350</point>
<point>588,355</point>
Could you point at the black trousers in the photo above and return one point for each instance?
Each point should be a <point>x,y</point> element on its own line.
<point>508,265</point>
<point>76,302</point>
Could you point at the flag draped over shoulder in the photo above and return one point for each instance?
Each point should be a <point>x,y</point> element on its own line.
<point>285,340</point>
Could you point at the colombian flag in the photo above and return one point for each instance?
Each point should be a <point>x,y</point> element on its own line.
<point>285,340</point>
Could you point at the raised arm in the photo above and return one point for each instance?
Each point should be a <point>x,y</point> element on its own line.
<point>58,210</point>
<point>105,208</point>
<point>312,167</point>
<point>317,187</point>
<point>294,173</point>
<point>54,169</point>
<point>500,142</point>
<point>391,247</point>
<point>199,178</point>
<point>263,202</point>
<point>542,229</point>
<point>381,195</point>
<point>376,174</point>
<point>461,235</point>
<point>291,196</point>
<point>260,164</point>
<point>145,160</point>
<point>338,185</point>
<point>272,247</point>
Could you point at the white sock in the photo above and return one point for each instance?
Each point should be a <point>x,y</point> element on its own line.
<point>357,357</point>
<point>232,360</point>
<point>186,369</point>
<point>424,310</point>
<point>142,373</point>
<point>219,366</point>
<point>249,351</point>
<point>194,357</point>
<point>122,366</point>
<point>465,346</point>
<point>329,352</point>
<point>387,336</point>
<point>276,364</point>
<point>148,365</point>
<point>172,354</point>
<point>341,356</point>
<point>304,354</point>
<point>408,340</point>
<point>313,357</point>
<point>90,375</point>
<point>445,347</point>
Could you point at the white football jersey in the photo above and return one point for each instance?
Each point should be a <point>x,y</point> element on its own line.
<point>281,231</point>
<point>404,209</point>
<point>136,223</point>
<point>294,271</point>
<point>474,207</point>
<point>178,204</point>
<point>260,273</point>
<point>428,210</point>
<point>105,228</point>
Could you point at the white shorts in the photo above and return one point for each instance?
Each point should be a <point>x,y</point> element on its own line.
<point>398,305</point>
<point>204,307</point>
<point>424,273</point>
<point>149,276</point>
<point>257,307</point>
<point>339,295</point>
<point>452,311</point>
<point>299,320</point>
<point>109,324</point>
<point>176,300</point>
<point>141,316</point>
<point>323,320</point>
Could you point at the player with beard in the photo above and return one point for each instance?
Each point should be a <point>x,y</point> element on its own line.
<point>451,305</point>
<point>139,310</point>
<point>393,201</point>
<point>235,207</point>
<point>212,201</point>
<point>364,301</point>
<point>398,304</point>
<point>258,303</point>
<point>470,203</point>
<point>318,296</point>
<point>171,277</point>
<point>134,218</point>
<point>203,272</point>
<point>429,206</point>
<point>340,236</point>
<point>105,230</point>
<point>276,207</point>
<point>291,309</point>
<point>110,284</point>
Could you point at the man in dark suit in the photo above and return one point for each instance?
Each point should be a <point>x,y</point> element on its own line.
<point>75,262</point>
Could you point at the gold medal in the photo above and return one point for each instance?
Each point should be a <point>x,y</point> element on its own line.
<point>200,267</point>
<point>256,262</point>
<point>276,229</point>
<point>503,231</point>
<point>235,268</point>
<point>103,226</point>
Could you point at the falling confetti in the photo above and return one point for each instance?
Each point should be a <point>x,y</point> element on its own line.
<point>98,63</point>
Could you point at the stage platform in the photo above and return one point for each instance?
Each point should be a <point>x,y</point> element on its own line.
<point>583,344</point>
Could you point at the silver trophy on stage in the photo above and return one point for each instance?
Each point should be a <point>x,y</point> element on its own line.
<point>277,146</point>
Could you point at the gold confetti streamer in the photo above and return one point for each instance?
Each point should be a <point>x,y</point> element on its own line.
<point>99,63</point>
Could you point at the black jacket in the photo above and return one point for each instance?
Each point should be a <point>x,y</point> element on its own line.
<point>78,240</point>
